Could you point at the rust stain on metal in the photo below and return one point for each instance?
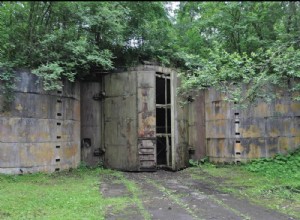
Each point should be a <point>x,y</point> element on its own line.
<point>295,108</point>
<point>146,117</point>
<point>250,131</point>
<point>281,108</point>
<point>238,147</point>
<point>261,110</point>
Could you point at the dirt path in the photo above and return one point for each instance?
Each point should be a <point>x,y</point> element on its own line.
<point>176,196</point>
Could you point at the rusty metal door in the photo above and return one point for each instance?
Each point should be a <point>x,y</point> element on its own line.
<point>120,121</point>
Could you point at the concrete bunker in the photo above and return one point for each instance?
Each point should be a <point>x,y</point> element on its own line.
<point>132,120</point>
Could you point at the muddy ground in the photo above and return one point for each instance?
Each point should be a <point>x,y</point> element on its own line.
<point>169,195</point>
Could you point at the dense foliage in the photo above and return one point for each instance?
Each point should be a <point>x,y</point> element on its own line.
<point>73,39</point>
<point>215,43</point>
<point>281,165</point>
<point>254,44</point>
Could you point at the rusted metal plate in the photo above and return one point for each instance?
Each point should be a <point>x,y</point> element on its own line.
<point>146,104</point>
<point>146,119</point>
<point>147,154</point>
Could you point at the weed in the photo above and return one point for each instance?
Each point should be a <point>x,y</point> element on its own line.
<point>272,182</point>
<point>135,191</point>
<point>196,163</point>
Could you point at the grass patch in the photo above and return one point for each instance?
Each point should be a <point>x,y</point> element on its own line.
<point>62,195</point>
<point>272,182</point>
<point>132,203</point>
<point>136,192</point>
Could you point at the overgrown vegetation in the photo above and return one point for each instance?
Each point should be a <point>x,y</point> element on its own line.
<point>272,182</point>
<point>281,166</point>
<point>215,43</point>
<point>74,39</point>
<point>64,195</point>
<point>240,48</point>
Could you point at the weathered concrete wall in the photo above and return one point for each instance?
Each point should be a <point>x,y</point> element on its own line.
<point>261,130</point>
<point>41,132</point>
<point>91,123</point>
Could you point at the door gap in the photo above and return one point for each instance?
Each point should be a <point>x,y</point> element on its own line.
<point>163,119</point>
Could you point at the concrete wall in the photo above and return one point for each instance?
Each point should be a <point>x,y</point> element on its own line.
<point>261,130</point>
<point>41,132</point>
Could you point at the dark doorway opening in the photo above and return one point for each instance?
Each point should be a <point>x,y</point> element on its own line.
<point>163,119</point>
<point>161,151</point>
